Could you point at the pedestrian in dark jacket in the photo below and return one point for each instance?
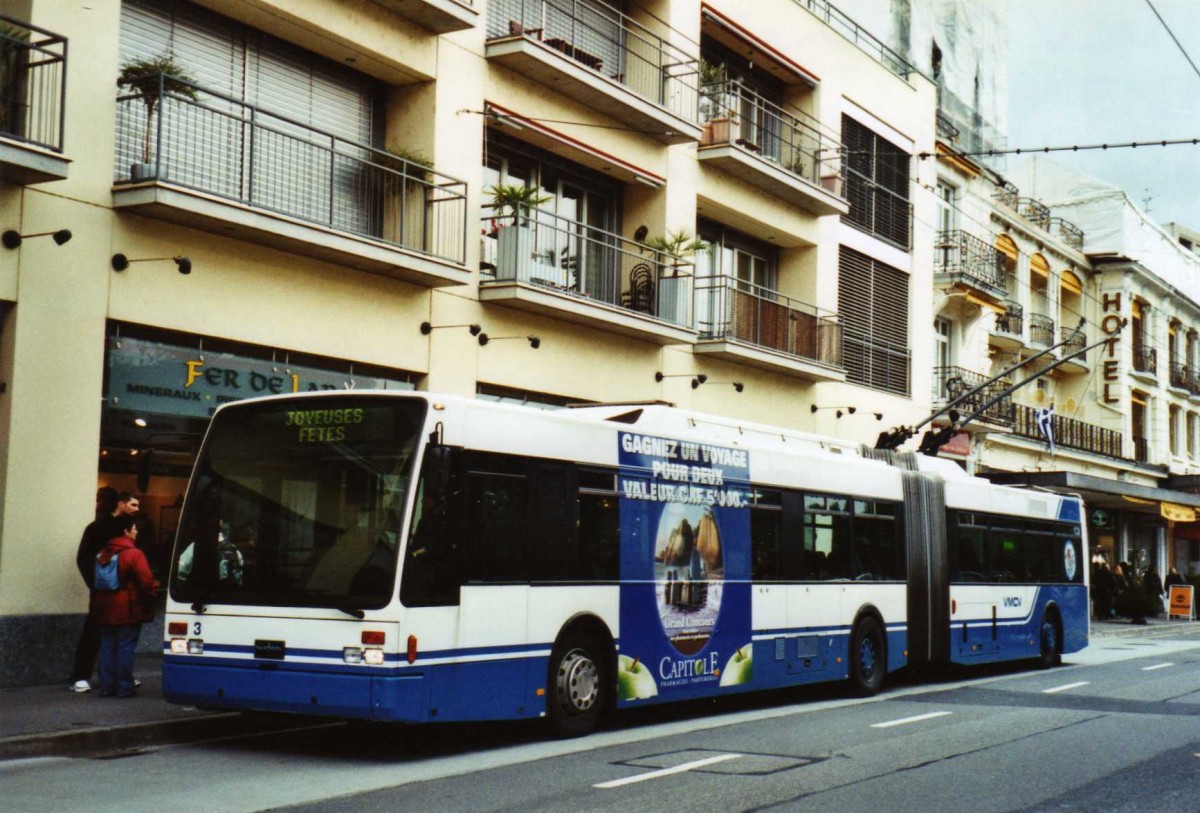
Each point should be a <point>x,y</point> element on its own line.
<point>1154,589</point>
<point>120,613</point>
<point>1173,578</point>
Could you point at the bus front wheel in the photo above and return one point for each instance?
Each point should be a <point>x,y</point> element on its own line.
<point>867,657</point>
<point>579,690</point>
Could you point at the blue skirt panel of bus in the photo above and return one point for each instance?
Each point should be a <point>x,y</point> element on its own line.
<point>982,640</point>
<point>490,690</point>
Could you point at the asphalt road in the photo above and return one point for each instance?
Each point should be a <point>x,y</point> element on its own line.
<point>1116,729</point>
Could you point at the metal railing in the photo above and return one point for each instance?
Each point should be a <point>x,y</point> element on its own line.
<point>727,308</point>
<point>1074,345</point>
<point>33,82</point>
<point>1181,376</point>
<point>1006,194</point>
<point>601,38</point>
<point>877,210</point>
<point>1034,211</point>
<point>1145,359</point>
<point>1011,321</point>
<point>951,382</point>
<point>734,114</point>
<point>1070,234</point>
<point>1141,450</point>
<point>967,131</point>
<point>569,257</point>
<point>965,258</point>
<point>1041,330</point>
<point>875,362</point>
<point>216,144</point>
<point>866,42</point>
<point>1070,433</point>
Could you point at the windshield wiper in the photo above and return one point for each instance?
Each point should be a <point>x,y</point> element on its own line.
<point>352,611</point>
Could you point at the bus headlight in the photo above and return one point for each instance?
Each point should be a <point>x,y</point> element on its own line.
<point>374,657</point>
<point>179,646</point>
<point>195,646</point>
<point>352,654</point>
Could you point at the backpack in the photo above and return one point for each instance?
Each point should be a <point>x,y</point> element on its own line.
<point>108,576</point>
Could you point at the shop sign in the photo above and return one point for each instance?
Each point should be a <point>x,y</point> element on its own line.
<point>959,445</point>
<point>165,379</point>
<point>1176,512</point>
<point>1101,518</point>
<point>1182,603</point>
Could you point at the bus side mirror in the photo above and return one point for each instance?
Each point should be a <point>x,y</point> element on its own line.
<point>440,468</point>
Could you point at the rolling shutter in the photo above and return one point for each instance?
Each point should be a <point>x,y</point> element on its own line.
<point>873,304</point>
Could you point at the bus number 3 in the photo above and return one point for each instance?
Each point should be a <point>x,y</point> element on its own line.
<point>196,628</point>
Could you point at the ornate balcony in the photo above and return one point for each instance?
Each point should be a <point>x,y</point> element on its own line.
<point>1181,377</point>
<point>950,383</point>
<point>1008,327</point>
<point>782,153</point>
<point>212,162</point>
<point>1073,363</point>
<point>1041,330</point>
<point>1071,434</point>
<point>963,259</point>
<point>1035,212</point>
<point>590,51</point>
<point>753,325</point>
<point>1068,232</point>
<point>561,268</point>
<point>1006,194</point>
<point>33,76</point>
<point>1145,359</point>
<point>1141,450</point>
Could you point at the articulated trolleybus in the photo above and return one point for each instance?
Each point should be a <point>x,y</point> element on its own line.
<point>424,558</point>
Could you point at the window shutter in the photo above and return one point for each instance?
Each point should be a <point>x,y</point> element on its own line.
<point>873,305</point>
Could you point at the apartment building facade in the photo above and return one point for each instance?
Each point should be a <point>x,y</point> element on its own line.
<point>299,195</point>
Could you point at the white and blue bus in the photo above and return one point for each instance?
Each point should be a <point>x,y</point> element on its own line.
<point>424,558</point>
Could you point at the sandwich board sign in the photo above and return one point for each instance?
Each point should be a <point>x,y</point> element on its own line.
<point>1182,601</point>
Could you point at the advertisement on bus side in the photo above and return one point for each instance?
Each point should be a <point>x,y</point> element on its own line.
<point>685,568</point>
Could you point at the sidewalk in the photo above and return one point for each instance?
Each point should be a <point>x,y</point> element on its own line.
<point>42,721</point>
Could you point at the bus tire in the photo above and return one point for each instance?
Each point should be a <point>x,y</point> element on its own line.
<point>579,689</point>
<point>1050,641</point>
<point>868,657</point>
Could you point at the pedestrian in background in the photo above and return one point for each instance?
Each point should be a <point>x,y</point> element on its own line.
<point>121,612</point>
<point>1153,586</point>
<point>1102,592</point>
<point>1173,578</point>
<point>109,503</point>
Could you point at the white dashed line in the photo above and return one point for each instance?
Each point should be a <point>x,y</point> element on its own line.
<point>1156,666</point>
<point>1064,688</point>
<point>687,766</point>
<point>916,719</point>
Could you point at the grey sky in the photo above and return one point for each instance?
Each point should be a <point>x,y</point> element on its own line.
<point>1097,71</point>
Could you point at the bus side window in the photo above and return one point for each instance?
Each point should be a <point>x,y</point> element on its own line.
<point>599,537</point>
<point>553,552</point>
<point>497,521</point>
<point>765,538</point>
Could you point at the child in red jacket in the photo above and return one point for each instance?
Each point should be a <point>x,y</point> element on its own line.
<point>120,612</point>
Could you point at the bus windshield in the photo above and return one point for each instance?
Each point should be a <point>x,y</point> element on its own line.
<point>299,503</point>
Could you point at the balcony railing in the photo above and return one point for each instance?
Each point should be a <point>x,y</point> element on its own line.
<point>966,258</point>
<point>1011,321</point>
<point>1074,345</point>
<point>729,309</point>
<point>1070,433</point>
<point>950,383</point>
<point>1041,329</point>
<point>1141,450</point>
<point>33,77</point>
<point>866,42</point>
<point>1034,211</point>
<point>733,114</point>
<point>1181,376</point>
<point>1070,234</point>
<point>601,38</point>
<point>567,257</point>
<point>223,147</point>
<point>1145,359</point>
<point>1006,194</point>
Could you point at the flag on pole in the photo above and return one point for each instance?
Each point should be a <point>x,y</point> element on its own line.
<point>1045,422</point>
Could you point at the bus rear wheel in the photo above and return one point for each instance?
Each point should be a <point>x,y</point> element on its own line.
<point>867,657</point>
<point>1050,651</point>
<point>579,689</point>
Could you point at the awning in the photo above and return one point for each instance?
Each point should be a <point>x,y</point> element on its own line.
<point>1100,491</point>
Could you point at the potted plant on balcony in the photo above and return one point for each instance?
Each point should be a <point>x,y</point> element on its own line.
<point>675,247</point>
<point>716,111</point>
<point>514,240</point>
<point>147,78</point>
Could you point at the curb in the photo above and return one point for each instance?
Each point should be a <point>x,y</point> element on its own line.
<point>98,740</point>
<point>1160,630</point>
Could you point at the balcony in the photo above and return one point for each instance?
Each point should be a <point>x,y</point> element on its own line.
<point>1073,364</point>
<point>1041,330</point>
<point>758,141</point>
<point>950,383</point>
<point>1006,194</point>
<point>964,260</point>
<point>1072,434</point>
<point>961,127</point>
<point>863,39</point>
<point>1068,232</point>
<point>439,16</point>
<point>1035,212</point>
<point>1181,377</point>
<point>589,51</point>
<point>211,162</point>
<point>561,268</point>
<point>752,325</point>
<point>33,76</point>
<point>1009,325</point>
<point>1145,360</point>
<point>1141,450</point>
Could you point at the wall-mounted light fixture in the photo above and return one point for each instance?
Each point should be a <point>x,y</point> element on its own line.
<point>428,327</point>
<point>120,262</point>
<point>13,238</point>
<point>697,380</point>
<point>737,385</point>
<point>534,341</point>
<point>844,410</point>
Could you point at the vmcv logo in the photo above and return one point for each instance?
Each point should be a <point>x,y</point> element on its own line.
<point>1012,601</point>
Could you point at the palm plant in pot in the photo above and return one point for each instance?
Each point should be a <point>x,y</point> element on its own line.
<point>514,249</point>
<point>675,248</point>
<point>150,80</point>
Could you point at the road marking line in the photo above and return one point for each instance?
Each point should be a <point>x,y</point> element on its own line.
<point>916,719</point>
<point>1156,666</point>
<point>1064,688</point>
<point>687,766</point>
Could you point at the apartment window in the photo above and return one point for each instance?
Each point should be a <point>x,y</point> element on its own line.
<point>737,280</point>
<point>1174,418</point>
<point>946,217</point>
<point>877,182</point>
<point>873,301</point>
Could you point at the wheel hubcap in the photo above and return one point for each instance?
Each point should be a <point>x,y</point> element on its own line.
<point>578,682</point>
